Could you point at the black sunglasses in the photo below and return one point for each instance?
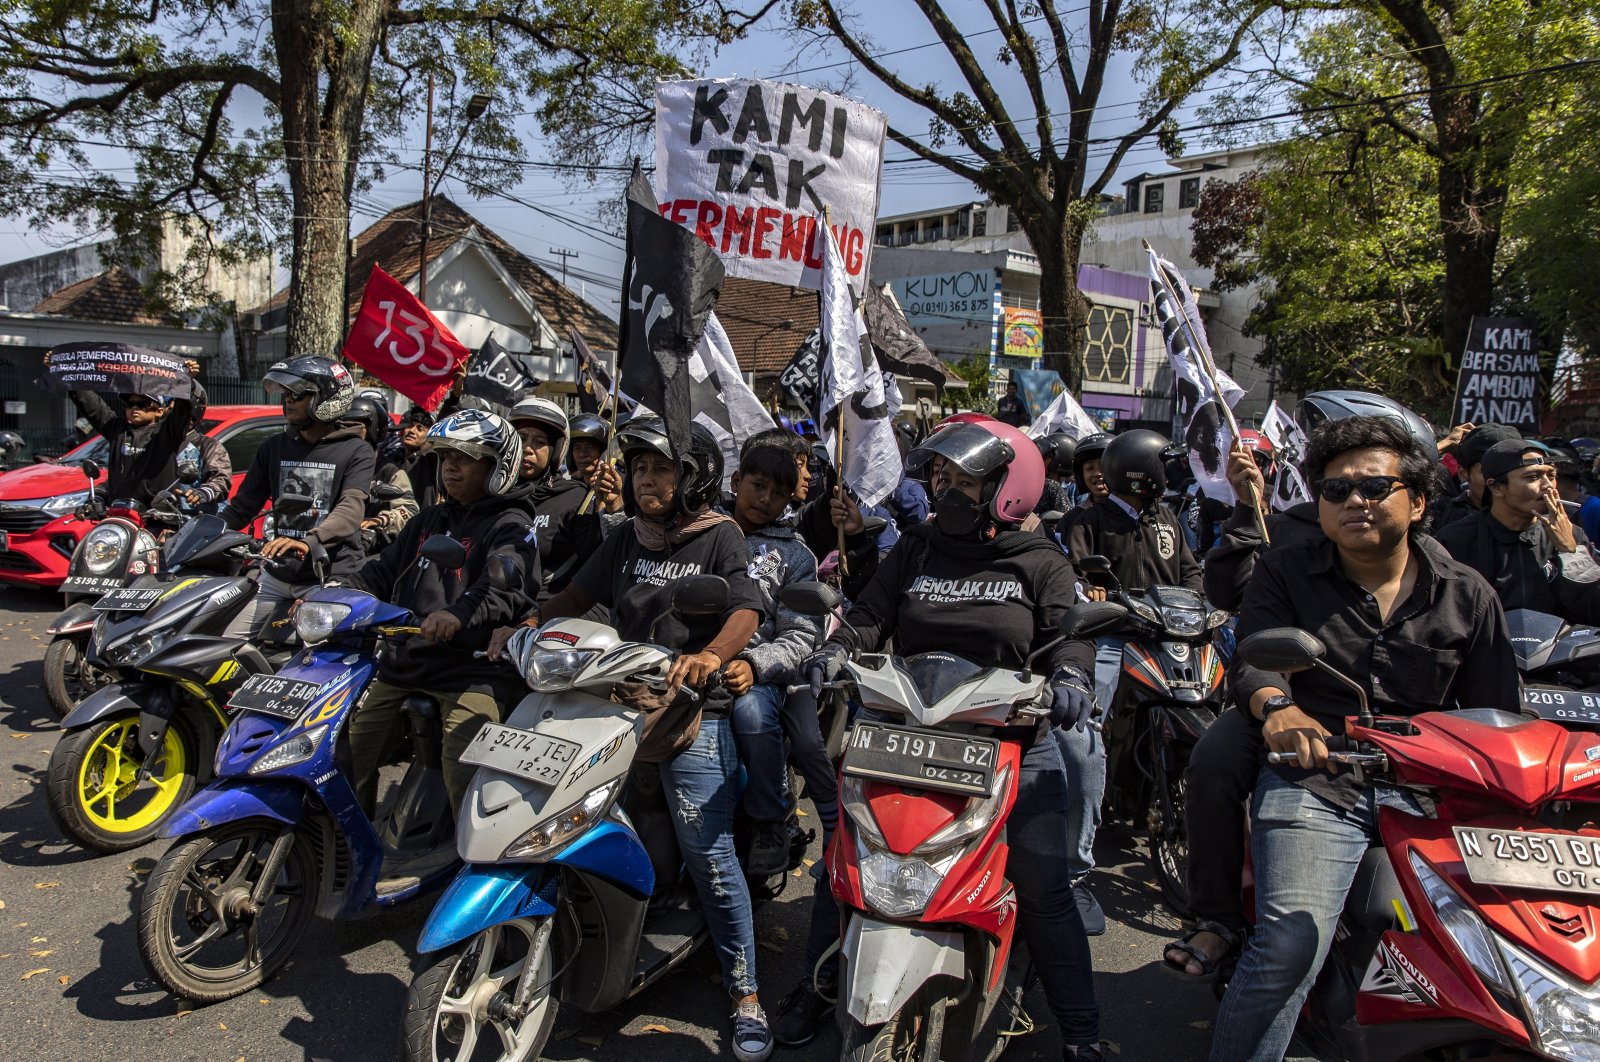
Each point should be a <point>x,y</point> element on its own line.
<point>1372,488</point>
<point>139,402</point>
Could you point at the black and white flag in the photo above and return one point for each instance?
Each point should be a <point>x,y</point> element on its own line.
<point>494,374</point>
<point>721,400</point>
<point>899,349</point>
<point>595,385</point>
<point>1288,448</point>
<point>851,393</point>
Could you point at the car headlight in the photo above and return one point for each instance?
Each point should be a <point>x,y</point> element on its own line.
<point>548,670</point>
<point>1183,620</point>
<point>62,503</point>
<point>297,749</point>
<point>553,833</point>
<point>315,621</point>
<point>898,886</point>
<point>1463,925</point>
<point>138,646</point>
<point>104,547</point>
<point>1565,1016</point>
<point>973,821</point>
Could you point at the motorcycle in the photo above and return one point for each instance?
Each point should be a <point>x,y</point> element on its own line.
<point>1468,932</point>
<point>1171,690</point>
<point>918,862</point>
<point>131,752</point>
<point>1560,666</point>
<point>574,889</point>
<point>122,547</point>
<point>280,836</point>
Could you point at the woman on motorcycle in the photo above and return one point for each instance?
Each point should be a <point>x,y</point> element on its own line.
<point>675,534</point>
<point>972,583</point>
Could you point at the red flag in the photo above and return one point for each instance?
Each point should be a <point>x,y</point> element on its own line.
<point>397,340</point>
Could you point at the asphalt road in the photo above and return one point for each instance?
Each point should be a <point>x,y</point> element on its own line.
<point>72,985</point>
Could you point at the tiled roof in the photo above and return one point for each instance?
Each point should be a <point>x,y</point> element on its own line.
<point>393,243</point>
<point>110,296</point>
<point>752,312</point>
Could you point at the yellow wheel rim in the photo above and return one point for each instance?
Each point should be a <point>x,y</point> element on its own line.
<point>109,790</point>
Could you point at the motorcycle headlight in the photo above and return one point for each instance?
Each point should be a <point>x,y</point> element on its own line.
<point>1463,925</point>
<point>1144,610</point>
<point>297,749</point>
<point>131,650</point>
<point>1217,618</point>
<point>1183,620</point>
<point>973,821</point>
<point>548,670</point>
<point>1564,1015</point>
<point>62,503</point>
<point>104,547</point>
<point>315,621</point>
<point>852,797</point>
<point>553,834</point>
<point>898,886</point>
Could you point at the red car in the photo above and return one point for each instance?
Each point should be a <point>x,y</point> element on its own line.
<point>39,526</point>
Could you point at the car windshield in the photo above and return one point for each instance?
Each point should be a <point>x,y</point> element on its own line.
<point>936,674</point>
<point>96,449</point>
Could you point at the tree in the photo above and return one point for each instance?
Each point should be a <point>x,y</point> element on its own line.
<point>1052,178</point>
<point>242,119</point>
<point>978,394</point>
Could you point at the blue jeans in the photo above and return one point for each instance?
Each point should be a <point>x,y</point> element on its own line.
<point>1107,669</point>
<point>1306,852</point>
<point>759,738</point>
<point>1084,755</point>
<point>702,790</point>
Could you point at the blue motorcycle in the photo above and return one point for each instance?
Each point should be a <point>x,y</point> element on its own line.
<point>280,836</point>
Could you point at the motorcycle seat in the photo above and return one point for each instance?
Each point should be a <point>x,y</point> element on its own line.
<point>1370,904</point>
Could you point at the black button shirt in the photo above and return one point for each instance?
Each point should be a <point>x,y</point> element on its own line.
<point>1444,647</point>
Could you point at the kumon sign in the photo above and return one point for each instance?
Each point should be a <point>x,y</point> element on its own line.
<point>749,165</point>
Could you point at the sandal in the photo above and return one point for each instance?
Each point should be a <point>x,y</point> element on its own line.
<point>1210,967</point>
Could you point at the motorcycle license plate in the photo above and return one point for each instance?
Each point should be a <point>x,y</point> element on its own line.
<point>285,698</point>
<point>1563,706</point>
<point>924,759</point>
<point>524,753</point>
<point>89,584</point>
<point>1531,859</point>
<point>130,599</point>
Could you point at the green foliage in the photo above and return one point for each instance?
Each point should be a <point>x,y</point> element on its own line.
<point>978,394</point>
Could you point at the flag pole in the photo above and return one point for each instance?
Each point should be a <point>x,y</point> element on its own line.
<point>1216,388</point>
<point>844,565</point>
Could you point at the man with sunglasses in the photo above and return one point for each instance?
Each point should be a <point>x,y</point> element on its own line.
<point>146,434</point>
<point>1523,542</point>
<point>1418,630</point>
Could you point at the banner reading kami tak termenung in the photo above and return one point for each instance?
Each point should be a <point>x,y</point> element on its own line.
<point>749,165</point>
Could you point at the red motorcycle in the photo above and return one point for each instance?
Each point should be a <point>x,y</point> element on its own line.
<point>1473,933</point>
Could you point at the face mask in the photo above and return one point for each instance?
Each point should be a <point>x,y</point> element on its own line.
<point>956,514</point>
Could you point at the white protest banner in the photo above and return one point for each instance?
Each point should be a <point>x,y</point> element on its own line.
<point>749,165</point>
<point>1289,447</point>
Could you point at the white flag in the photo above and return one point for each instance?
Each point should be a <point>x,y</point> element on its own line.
<point>1065,417</point>
<point>1288,448</point>
<point>736,414</point>
<point>852,393</point>
<point>1196,403</point>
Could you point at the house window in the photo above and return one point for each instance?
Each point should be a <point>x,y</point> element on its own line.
<point>1108,350</point>
<point>935,229</point>
<point>1154,198</point>
<point>1188,193</point>
<point>962,223</point>
<point>1012,224</point>
<point>885,235</point>
<point>980,221</point>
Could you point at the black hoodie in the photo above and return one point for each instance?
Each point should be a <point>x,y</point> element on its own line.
<point>335,473</point>
<point>143,461</point>
<point>495,524</point>
<point>566,537</point>
<point>1149,551</point>
<point>1232,561</point>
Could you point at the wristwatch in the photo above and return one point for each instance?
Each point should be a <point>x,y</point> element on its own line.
<point>1275,703</point>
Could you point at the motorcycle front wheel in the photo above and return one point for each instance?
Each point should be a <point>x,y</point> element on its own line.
<point>68,678</point>
<point>908,1036</point>
<point>210,925</point>
<point>98,792</point>
<point>1169,833</point>
<point>489,999</point>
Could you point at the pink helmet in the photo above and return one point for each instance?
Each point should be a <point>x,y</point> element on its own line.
<point>962,418</point>
<point>996,453</point>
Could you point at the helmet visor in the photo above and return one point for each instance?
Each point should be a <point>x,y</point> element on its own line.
<point>967,446</point>
<point>473,450</point>
<point>278,382</point>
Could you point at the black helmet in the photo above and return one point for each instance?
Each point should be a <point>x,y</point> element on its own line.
<point>1135,463</point>
<point>370,415</point>
<point>1090,448</point>
<point>1321,406</point>
<point>699,471</point>
<point>198,400</point>
<point>1058,451</point>
<point>328,379</point>
<point>1566,458</point>
<point>11,443</point>
<point>586,426</point>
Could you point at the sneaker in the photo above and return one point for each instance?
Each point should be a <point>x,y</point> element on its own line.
<point>1094,919</point>
<point>769,850</point>
<point>798,1015</point>
<point>752,1039</point>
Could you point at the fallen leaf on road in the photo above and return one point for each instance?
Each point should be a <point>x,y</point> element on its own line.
<point>47,884</point>
<point>38,940</point>
<point>19,735</point>
<point>63,979</point>
<point>33,844</point>
<point>263,1001</point>
<point>592,1041</point>
<point>656,1028</point>
<point>42,954</point>
<point>184,1013</point>
<point>802,813</point>
<point>2,905</point>
<point>809,862</point>
<point>222,1026</point>
<point>1200,1025</point>
<point>34,973</point>
<point>799,873</point>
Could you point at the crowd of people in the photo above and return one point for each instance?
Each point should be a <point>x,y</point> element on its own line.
<point>1403,562</point>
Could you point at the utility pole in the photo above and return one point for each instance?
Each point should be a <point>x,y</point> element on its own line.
<point>563,254</point>
<point>427,201</point>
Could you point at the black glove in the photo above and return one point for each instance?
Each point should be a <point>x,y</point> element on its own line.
<point>1071,699</point>
<point>824,665</point>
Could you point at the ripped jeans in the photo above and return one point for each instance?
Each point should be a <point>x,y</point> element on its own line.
<point>702,790</point>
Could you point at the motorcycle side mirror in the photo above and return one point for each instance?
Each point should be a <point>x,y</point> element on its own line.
<point>502,571</point>
<point>1053,516</point>
<point>387,492</point>
<point>91,468</point>
<point>1282,649</point>
<point>873,525</point>
<point>445,552</point>
<point>810,599</point>
<point>1090,619</point>
<point>701,595</point>
<point>319,560</point>
<point>292,504</point>
<point>1094,564</point>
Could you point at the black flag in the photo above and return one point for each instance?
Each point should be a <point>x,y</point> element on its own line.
<point>594,382</point>
<point>900,350</point>
<point>671,282</point>
<point>802,377</point>
<point>493,373</point>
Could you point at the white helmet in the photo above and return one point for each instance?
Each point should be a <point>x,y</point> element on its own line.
<point>546,414</point>
<point>478,433</point>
